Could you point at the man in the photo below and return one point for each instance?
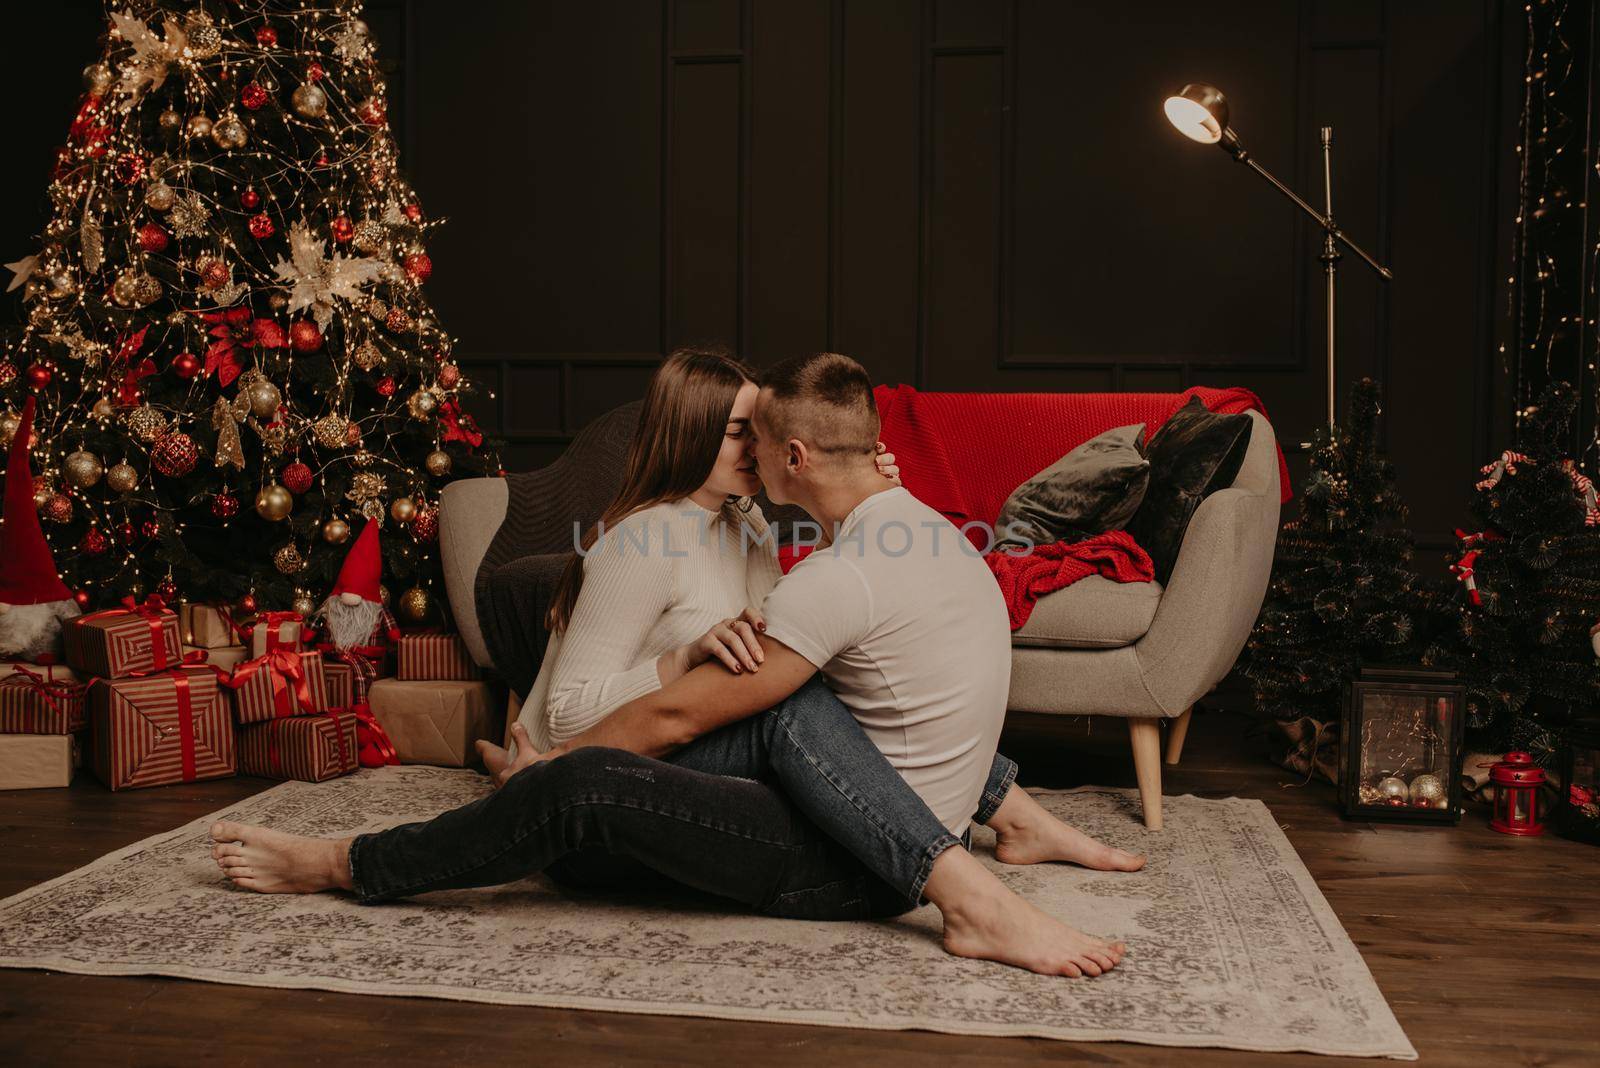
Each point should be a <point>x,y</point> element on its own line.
<point>910,631</point>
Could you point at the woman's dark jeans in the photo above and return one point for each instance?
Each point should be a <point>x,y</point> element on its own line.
<point>841,836</point>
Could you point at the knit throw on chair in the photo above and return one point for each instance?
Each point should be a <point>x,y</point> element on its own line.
<point>1024,578</point>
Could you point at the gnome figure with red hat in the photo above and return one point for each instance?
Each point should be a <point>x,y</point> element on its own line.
<point>33,599</point>
<point>353,616</point>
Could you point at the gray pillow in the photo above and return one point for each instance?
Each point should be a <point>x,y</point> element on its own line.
<point>1092,489</point>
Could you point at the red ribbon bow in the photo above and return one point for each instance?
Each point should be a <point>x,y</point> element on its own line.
<point>372,741</point>
<point>152,609</point>
<point>53,690</point>
<point>283,666</point>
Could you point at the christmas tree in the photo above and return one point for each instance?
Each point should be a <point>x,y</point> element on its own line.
<point>1530,583</point>
<point>1342,592</point>
<point>225,328</point>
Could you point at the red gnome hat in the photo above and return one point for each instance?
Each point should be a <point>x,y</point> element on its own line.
<point>362,568</point>
<point>27,570</point>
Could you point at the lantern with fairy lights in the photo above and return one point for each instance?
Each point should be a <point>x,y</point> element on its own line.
<point>1577,814</point>
<point>1401,746</point>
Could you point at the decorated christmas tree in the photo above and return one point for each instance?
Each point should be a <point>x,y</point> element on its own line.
<point>225,326</point>
<point>1530,582</point>
<point>1342,592</point>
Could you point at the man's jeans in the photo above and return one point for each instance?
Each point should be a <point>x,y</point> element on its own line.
<point>841,837</point>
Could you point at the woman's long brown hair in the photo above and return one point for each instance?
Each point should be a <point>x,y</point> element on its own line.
<point>681,428</point>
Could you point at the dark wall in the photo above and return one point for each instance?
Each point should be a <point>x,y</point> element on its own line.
<point>963,194</point>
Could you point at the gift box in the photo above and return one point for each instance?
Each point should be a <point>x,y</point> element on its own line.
<point>170,727</point>
<point>435,722</point>
<point>35,761</point>
<point>226,657</point>
<point>207,626</point>
<point>120,642</point>
<point>281,683</point>
<point>275,630</point>
<point>308,748</point>
<point>52,671</point>
<point>433,656</point>
<point>41,701</point>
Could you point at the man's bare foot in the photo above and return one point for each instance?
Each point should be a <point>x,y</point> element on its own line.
<point>1027,834</point>
<point>494,757</point>
<point>271,862</point>
<point>985,920</point>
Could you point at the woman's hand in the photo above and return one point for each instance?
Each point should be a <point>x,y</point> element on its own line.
<point>886,465</point>
<point>732,642</point>
<point>527,756</point>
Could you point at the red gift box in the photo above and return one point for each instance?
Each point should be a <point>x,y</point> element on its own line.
<point>434,657</point>
<point>308,748</point>
<point>282,683</point>
<point>161,729</point>
<point>123,642</point>
<point>35,700</point>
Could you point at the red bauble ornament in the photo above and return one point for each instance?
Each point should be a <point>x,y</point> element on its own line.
<point>82,597</point>
<point>247,604</point>
<point>268,334</point>
<point>373,111</point>
<point>94,542</point>
<point>419,266</point>
<point>150,528</point>
<point>130,167</point>
<point>250,200</point>
<point>167,590</point>
<point>449,376</point>
<point>425,527</point>
<point>296,477</point>
<point>174,454</point>
<point>8,373</point>
<point>314,71</point>
<point>252,96</point>
<point>397,320</point>
<point>152,238</point>
<point>266,36</point>
<point>414,212</point>
<point>58,509</point>
<point>261,226</point>
<point>185,365</point>
<point>214,275</point>
<point>224,505</point>
<point>352,433</point>
<point>304,336</point>
<point>126,532</point>
<point>385,386</point>
<point>342,228</point>
<point>39,375</point>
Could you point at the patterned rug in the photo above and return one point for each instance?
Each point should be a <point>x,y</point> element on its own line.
<point>1230,942</point>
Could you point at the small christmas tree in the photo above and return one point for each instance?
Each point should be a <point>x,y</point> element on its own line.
<point>1342,591</point>
<point>233,357</point>
<point>1530,583</point>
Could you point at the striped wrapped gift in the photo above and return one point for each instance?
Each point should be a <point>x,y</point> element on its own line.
<point>120,642</point>
<point>37,700</point>
<point>308,748</point>
<point>433,656</point>
<point>282,683</point>
<point>279,630</point>
<point>161,729</point>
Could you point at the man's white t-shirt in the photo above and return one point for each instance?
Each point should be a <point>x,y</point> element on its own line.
<point>908,626</point>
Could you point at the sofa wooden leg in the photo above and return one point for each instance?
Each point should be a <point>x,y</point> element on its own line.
<point>1146,737</point>
<point>1176,733</point>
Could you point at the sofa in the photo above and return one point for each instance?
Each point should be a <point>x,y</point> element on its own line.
<point>1139,651</point>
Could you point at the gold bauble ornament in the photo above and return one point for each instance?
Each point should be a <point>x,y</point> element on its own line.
<point>304,603</point>
<point>367,356</point>
<point>145,423</point>
<point>229,132</point>
<point>264,398</point>
<point>103,408</point>
<point>416,604</point>
<point>62,286</point>
<point>421,404</point>
<point>310,101</point>
<point>41,491</point>
<point>288,560</point>
<point>125,290</point>
<point>122,478</point>
<point>205,40</point>
<point>170,120</point>
<point>403,509</point>
<point>1429,789</point>
<point>83,469</point>
<point>372,509</point>
<point>159,197</point>
<point>146,289</point>
<point>97,79</point>
<point>274,503</point>
<point>8,427</point>
<point>368,236</point>
<point>199,126</point>
<point>377,309</point>
<point>330,430</point>
<point>437,463</point>
<point>336,532</point>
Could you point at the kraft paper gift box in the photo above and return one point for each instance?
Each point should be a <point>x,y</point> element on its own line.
<point>281,683</point>
<point>278,629</point>
<point>119,642</point>
<point>436,722</point>
<point>162,729</point>
<point>226,657</point>
<point>51,671</point>
<point>308,748</point>
<point>433,656</point>
<point>206,626</point>
<point>40,701</point>
<point>39,761</point>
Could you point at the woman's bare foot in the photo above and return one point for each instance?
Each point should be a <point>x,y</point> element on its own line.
<point>271,862</point>
<point>494,758</point>
<point>985,920</point>
<point>1027,834</point>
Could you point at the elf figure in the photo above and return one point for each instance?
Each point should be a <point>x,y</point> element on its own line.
<point>33,599</point>
<point>353,616</point>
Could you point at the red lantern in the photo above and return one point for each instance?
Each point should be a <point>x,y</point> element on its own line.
<point>1517,781</point>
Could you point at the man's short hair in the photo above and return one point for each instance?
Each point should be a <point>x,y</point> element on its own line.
<point>825,400</point>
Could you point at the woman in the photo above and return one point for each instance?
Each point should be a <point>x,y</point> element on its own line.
<point>672,576</point>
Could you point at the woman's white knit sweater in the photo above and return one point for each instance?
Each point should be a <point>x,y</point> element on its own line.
<point>659,579</point>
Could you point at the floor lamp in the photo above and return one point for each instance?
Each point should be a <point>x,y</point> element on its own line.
<point>1200,112</point>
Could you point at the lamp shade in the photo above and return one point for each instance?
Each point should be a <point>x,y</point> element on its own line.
<point>1199,112</point>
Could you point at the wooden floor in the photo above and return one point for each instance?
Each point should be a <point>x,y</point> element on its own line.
<point>1487,947</point>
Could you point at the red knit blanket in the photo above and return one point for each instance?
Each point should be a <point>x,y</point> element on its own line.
<point>1026,578</point>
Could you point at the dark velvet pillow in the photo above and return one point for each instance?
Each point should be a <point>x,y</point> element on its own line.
<point>1196,452</point>
<point>1092,489</point>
